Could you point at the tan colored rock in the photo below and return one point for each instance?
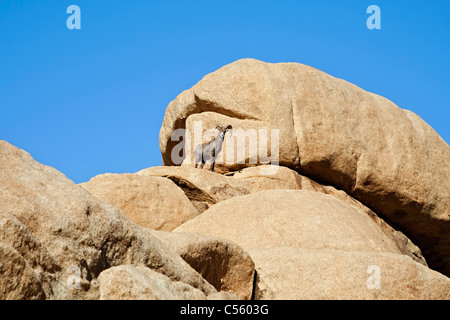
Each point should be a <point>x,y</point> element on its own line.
<point>223,295</point>
<point>56,226</point>
<point>291,218</point>
<point>21,240</point>
<point>298,273</point>
<point>202,187</point>
<point>151,202</point>
<point>334,132</point>
<point>240,145</point>
<point>220,261</point>
<point>130,282</point>
<point>248,93</point>
<point>286,178</point>
<point>256,180</point>
<point>18,281</point>
<point>208,188</point>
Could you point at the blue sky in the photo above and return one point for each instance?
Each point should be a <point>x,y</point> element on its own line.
<point>92,101</point>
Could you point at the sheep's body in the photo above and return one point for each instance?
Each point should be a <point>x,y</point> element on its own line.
<point>209,150</point>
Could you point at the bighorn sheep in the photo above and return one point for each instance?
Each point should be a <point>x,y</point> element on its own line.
<point>210,150</point>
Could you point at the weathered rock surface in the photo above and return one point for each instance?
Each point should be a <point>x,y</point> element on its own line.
<point>48,225</point>
<point>202,187</point>
<point>286,178</point>
<point>17,279</point>
<point>292,218</point>
<point>283,178</point>
<point>298,273</point>
<point>334,132</point>
<point>151,202</point>
<point>223,295</point>
<point>129,282</point>
<point>312,245</point>
<point>221,262</point>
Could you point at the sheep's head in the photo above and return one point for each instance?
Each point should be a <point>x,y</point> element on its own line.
<point>228,128</point>
<point>223,129</point>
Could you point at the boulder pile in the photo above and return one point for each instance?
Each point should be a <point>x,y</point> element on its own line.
<point>352,202</point>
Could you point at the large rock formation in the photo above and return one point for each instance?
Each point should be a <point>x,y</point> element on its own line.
<point>292,218</point>
<point>203,188</point>
<point>311,245</point>
<point>53,231</point>
<point>361,188</point>
<point>151,202</point>
<point>221,262</point>
<point>298,273</point>
<point>130,282</point>
<point>331,131</point>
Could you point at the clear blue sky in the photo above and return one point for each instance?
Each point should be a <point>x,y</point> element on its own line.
<point>92,101</point>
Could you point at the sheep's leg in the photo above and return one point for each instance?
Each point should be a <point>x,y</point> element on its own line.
<point>213,162</point>
<point>197,160</point>
<point>201,165</point>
